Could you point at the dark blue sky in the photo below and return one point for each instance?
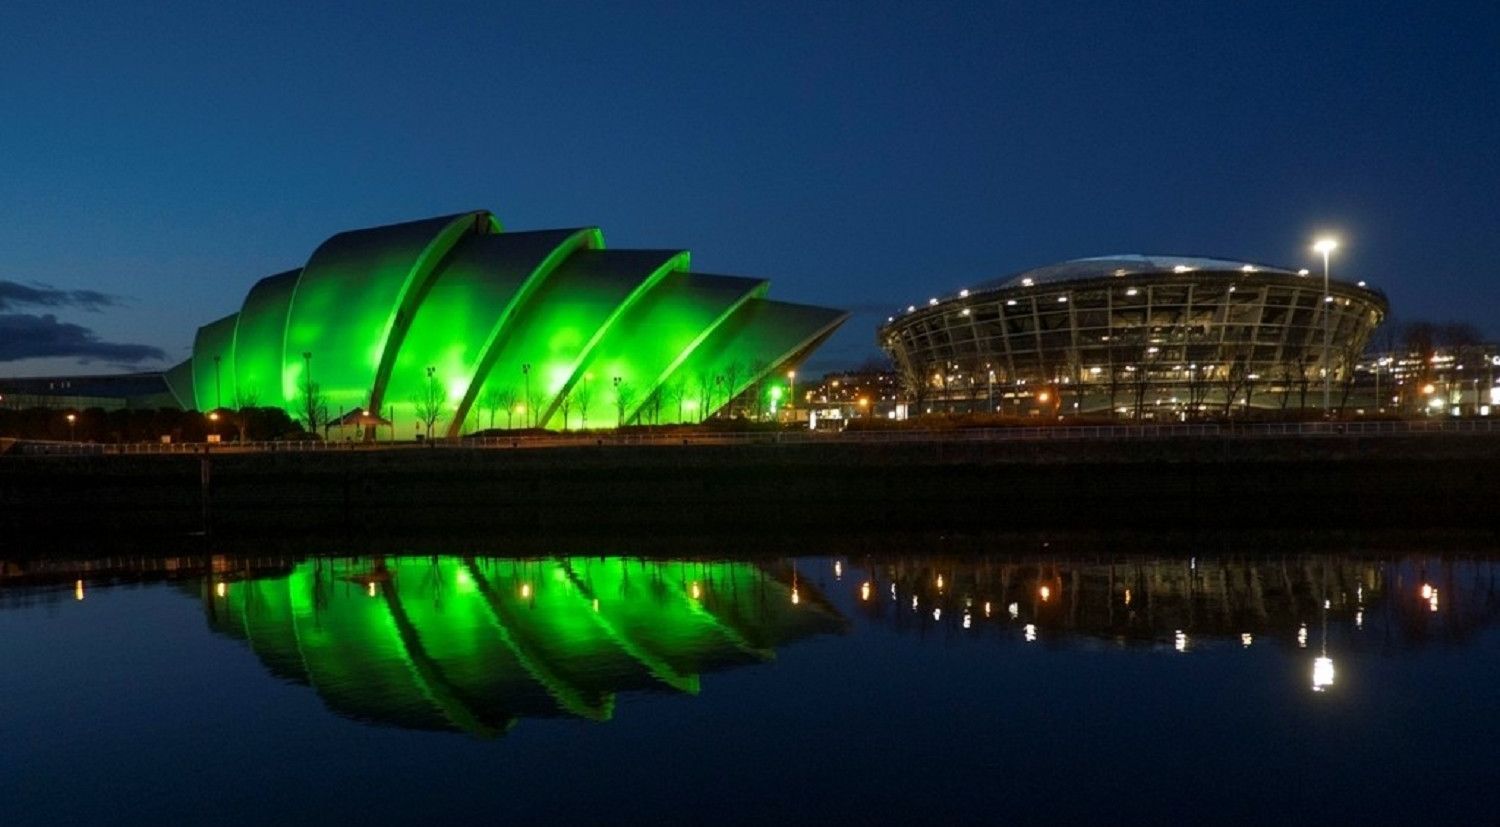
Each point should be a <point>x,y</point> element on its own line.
<point>862,155</point>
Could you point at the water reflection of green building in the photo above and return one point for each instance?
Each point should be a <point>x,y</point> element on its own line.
<point>475,644</point>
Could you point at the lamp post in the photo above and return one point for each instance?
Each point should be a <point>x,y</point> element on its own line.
<point>312,412</point>
<point>619,409</point>
<point>791,400</point>
<point>72,422</point>
<point>1326,246</point>
<point>584,407</point>
<point>526,374</point>
<point>1379,404</point>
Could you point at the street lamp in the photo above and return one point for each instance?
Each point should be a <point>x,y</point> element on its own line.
<point>1326,246</point>
<point>525,371</point>
<point>72,421</point>
<point>619,408</point>
<point>584,407</point>
<point>791,390</point>
<point>312,408</point>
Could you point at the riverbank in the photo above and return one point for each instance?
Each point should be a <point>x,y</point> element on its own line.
<point>1405,482</point>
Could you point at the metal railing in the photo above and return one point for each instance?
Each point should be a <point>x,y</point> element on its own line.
<point>1051,433</point>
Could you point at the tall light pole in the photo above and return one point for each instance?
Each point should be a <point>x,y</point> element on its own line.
<point>526,373</point>
<point>1326,246</point>
<point>312,408</point>
<point>584,407</point>
<point>791,401</point>
<point>619,408</point>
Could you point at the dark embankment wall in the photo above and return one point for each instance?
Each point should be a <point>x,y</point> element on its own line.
<point>1405,483</point>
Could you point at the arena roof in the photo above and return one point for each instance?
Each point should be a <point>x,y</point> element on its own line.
<point>1125,264</point>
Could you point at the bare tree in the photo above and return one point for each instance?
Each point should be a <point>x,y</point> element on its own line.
<point>1235,374</point>
<point>676,392</point>
<point>534,408</point>
<point>758,369</point>
<point>429,401</point>
<point>624,395</point>
<point>313,406</point>
<point>705,395</point>
<point>1288,376</point>
<point>583,394</point>
<point>509,400</point>
<point>564,405</point>
<point>492,401</point>
<point>244,403</point>
<point>732,373</point>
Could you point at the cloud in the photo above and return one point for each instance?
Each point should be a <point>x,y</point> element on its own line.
<point>14,295</point>
<point>25,336</point>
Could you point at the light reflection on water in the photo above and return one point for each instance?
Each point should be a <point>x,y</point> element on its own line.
<point>493,647</point>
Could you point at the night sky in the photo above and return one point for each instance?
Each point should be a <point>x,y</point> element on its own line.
<point>155,160</point>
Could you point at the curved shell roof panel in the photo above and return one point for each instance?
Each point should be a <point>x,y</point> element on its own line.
<point>567,316</point>
<point>213,375</point>
<point>654,335</point>
<point>260,337</point>
<point>356,291</point>
<point>451,326</point>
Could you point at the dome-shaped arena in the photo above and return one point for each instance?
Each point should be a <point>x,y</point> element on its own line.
<point>1139,336</point>
<point>439,325</point>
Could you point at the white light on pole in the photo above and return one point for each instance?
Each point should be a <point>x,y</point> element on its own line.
<point>1326,246</point>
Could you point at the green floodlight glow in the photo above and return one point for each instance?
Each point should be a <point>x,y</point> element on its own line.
<point>454,316</point>
<point>475,645</point>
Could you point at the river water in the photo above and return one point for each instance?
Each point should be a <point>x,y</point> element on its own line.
<point>1041,686</point>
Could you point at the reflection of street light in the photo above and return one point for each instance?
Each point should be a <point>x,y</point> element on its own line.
<point>1326,246</point>
<point>1322,675</point>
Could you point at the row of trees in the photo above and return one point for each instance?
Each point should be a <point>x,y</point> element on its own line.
<point>683,399</point>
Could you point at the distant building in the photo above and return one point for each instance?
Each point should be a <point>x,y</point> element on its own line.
<point>840,397</point>
<point>1449,381</point>
<point>110,392</point>
<point>1147,337</point>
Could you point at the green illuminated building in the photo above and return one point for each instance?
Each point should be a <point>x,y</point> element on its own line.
<point>476,644</point>
<point>454,315</point>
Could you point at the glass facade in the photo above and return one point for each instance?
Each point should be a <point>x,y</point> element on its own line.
<point>1133,340</point>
